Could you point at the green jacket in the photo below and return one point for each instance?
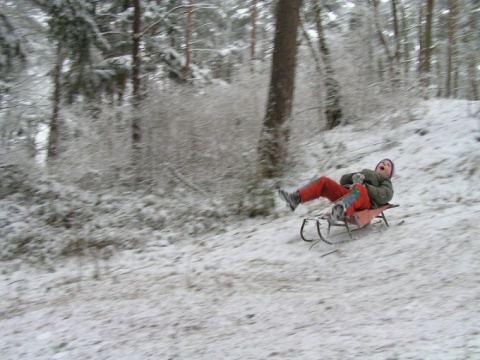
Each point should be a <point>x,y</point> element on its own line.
<point>380,188</point>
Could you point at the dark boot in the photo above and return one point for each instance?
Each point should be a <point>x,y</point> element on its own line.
<point>292,199</point>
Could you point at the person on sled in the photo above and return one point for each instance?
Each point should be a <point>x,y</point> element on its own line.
<point>367,189</point>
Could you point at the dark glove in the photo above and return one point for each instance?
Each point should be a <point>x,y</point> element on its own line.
<point>358,178</point>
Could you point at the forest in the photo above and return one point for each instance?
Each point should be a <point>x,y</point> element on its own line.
<point>142,146</point>
<point>217,97</point>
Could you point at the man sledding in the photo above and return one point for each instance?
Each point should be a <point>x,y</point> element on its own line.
<point>358,198</point>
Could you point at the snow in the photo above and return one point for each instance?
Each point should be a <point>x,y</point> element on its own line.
<point>256,291</point>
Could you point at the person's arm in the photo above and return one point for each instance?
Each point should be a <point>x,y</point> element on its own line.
<point>382,194</point>
<point>346,179</point>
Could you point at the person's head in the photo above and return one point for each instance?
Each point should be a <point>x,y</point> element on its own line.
<point>385,167</point>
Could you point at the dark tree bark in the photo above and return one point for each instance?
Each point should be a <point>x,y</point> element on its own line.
<point>52,148</point>
<point>450,86</point>
<point>253,43</point>
<point>272,148</point>
<point>470,36</point>
<point>428,35</point>
<point>136,96</point>
<point>426,49</point>
<point>396,32</point>
<point>421,41</point>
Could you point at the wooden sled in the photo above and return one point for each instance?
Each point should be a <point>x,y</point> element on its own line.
<point>360,219</point>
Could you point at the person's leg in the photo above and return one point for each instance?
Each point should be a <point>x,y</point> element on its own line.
<point>323,187</point>
<point>361,203</point>
<point>330,189</point>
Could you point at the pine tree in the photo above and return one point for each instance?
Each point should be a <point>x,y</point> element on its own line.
<point>274,137</point>
<point>75,34</point>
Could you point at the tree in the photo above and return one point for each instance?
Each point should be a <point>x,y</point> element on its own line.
<point>53,137</point>
<point>253,43</point>
<point>426,45</point>
<point>136,82</point>
<point>75,33</point>
<point>405,41</point>
<point>451,84</point>
<point>393,57</point>
<point>12,55</point>
<point>272,149</point>
<point>471,41</point>
<point>333,110</point>
<point>396,30</point>
<point>188,33</point>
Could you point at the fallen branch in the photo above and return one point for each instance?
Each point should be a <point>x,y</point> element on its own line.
<point>185,181</point>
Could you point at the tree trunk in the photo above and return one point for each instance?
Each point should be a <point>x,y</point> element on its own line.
<point>136,96</point>
<point>428,35</point>
<point>396,33</point>
<point>188,32</point>
<point>253,44</point>
<point>333,110</point>
<point>406,43</point>
<point>421,41</point>
<point>312,49</point>
<point>451,51</point>
<point>470,38</point>
<point>425,65</point>
<point>392,73</point>
<point>52,149</point>
<point>272,147</point>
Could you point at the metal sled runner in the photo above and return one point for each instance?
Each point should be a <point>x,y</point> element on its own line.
<point>360,219</point>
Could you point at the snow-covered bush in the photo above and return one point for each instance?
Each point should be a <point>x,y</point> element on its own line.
<point>254,199</point>
<point>42,219</point>
<point>11,179</point>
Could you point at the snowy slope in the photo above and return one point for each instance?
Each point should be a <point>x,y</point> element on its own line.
<point>411,291</point>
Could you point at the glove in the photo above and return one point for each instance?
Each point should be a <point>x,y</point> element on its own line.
<point>358,178</point>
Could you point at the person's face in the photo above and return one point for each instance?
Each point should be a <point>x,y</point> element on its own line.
<point>384,168</point>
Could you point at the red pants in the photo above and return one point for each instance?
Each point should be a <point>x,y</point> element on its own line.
<point>330,189</point>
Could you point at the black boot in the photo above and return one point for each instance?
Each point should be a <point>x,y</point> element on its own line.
<point>292,199</point>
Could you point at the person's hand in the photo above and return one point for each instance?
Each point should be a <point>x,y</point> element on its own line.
<point>358,178</point>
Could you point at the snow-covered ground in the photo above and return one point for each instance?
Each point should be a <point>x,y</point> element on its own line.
<point>410,291</point>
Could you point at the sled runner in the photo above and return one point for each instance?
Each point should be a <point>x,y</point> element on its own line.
<point>360,219</point>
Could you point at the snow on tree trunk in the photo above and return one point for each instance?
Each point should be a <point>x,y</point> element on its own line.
<point>333,110</point>
<point>188,32</point>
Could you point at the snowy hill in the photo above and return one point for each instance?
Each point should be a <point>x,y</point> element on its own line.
<point>256,291</point>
